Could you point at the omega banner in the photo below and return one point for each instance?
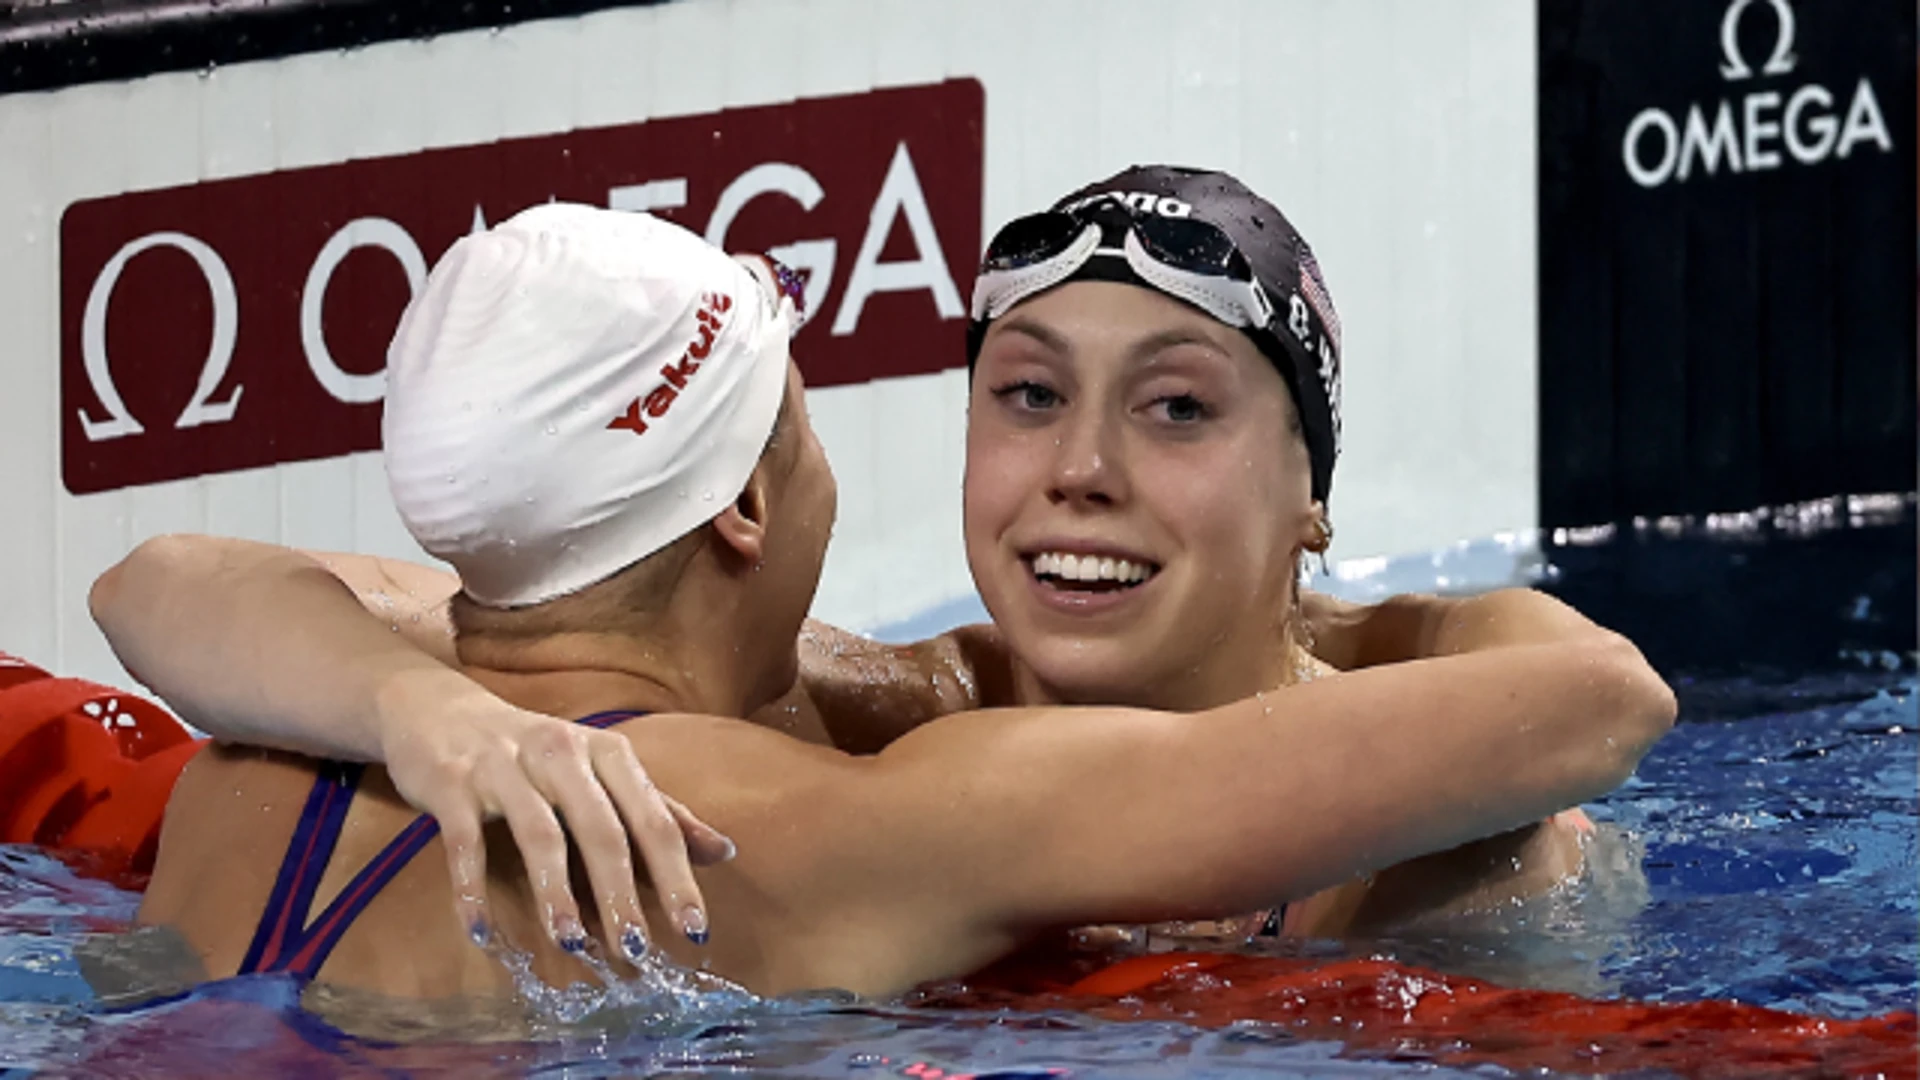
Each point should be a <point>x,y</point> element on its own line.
<point>1727,254</point>
<point>244,322</point>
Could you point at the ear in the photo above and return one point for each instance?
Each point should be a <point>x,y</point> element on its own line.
<point>1319,529</point>
<point>742,527</point>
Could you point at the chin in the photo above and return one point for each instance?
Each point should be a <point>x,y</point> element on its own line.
<point>1079,671</point>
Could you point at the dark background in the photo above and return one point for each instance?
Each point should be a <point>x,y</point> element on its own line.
<point>52,43</point>
<point>1736,340</point>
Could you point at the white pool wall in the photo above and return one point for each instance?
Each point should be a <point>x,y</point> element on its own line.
<point>1397,134</point>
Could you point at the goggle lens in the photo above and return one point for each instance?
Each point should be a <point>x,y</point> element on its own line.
<point>1197,247</point>
<point>1033,239</point>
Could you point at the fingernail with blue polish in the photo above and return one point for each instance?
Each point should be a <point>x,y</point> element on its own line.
<point>479,933</point>
<point>634,944</point>
<point>574,943</point>
<point>695,922</point>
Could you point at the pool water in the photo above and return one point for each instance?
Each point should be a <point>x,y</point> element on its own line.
<point>1765,853</point>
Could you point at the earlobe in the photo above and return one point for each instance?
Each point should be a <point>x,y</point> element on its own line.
<point>743,526</point>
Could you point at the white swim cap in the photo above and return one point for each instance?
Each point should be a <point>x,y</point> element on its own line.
<point>573,390</point>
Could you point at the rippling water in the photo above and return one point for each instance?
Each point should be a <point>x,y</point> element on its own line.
<point>1765,852</point>
<point>1768,858</point>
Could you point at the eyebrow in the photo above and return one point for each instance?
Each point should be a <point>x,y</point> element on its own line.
<point>1040,332</point>
<point>1167,339</point>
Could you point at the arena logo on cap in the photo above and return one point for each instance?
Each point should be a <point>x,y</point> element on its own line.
<point>243,322</point>
<point>712,318</point>
<point>1657,149</point>
<point>1142,201</point>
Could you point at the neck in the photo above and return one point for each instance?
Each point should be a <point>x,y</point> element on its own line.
<point>681,662</point>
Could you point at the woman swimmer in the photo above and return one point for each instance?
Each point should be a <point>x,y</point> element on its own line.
<point>1153,421</point>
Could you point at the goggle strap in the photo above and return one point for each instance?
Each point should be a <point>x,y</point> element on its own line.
<point>1202,291</point>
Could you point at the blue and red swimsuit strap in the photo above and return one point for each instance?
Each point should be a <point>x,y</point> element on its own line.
<point>283,923</point>
<point>302,952</point>
<point>610,718</point>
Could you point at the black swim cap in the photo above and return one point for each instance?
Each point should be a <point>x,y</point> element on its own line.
<point>1303,341</point>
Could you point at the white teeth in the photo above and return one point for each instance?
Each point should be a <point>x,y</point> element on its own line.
<point>1070,567</point>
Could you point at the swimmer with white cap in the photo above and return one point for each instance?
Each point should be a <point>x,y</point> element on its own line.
<point>593,417</point>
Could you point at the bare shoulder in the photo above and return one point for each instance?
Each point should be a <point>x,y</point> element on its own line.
<point>869,693</point>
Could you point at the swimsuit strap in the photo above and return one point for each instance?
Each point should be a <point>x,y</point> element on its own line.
<point>604,720</point>
<point>302,952</point>
<point>314,839</point>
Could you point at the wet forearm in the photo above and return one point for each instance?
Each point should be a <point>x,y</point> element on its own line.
<point>261,645</point>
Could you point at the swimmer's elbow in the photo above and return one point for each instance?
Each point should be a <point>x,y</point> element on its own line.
<point>116,592</point>
<point>1642,705</point>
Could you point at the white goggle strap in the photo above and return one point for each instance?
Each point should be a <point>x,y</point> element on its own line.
<point>997,291</point>
<point>1239,304</point>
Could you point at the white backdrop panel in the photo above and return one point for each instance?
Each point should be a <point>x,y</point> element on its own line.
<point>1397,134</point>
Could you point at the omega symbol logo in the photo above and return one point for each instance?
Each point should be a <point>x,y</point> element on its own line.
<point>1780,63</point>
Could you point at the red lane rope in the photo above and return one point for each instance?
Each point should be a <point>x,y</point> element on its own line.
<point>1381,1008</point>
<point>85,772</point>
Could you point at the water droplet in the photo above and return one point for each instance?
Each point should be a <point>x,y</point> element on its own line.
<point>708,496</point>
<point>553,429</point>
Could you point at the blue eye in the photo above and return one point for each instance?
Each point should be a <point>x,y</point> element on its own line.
<point>1028,395</point>
<point>1183,408</point>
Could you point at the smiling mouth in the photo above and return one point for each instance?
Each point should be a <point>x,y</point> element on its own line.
<point>1089,573</point>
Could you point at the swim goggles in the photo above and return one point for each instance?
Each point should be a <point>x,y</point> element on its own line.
<point>1186,258</point>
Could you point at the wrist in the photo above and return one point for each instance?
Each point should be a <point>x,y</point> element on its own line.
<point>406,697</point>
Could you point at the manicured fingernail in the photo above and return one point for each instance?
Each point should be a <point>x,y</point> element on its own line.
<point>574,943</point>
<point>634,944</point>
<point>570,935</point>
<point>693,922</point>
<point>479,933</point>
<point>731,850</point>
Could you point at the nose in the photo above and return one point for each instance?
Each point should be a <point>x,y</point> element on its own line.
<point>1087,461</point>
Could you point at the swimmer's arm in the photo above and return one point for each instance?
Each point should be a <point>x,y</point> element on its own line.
<point>1023,819</point>
<point>1415,625</point>
<point>267,646</point>
<point>1529,859</point>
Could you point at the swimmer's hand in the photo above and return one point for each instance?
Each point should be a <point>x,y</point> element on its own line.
<point>477,758</point>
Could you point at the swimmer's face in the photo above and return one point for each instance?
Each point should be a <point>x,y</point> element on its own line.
<point>1108,422</point>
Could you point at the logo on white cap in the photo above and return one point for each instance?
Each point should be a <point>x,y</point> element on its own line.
<point>712,318</point>
<point>573,390</point>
